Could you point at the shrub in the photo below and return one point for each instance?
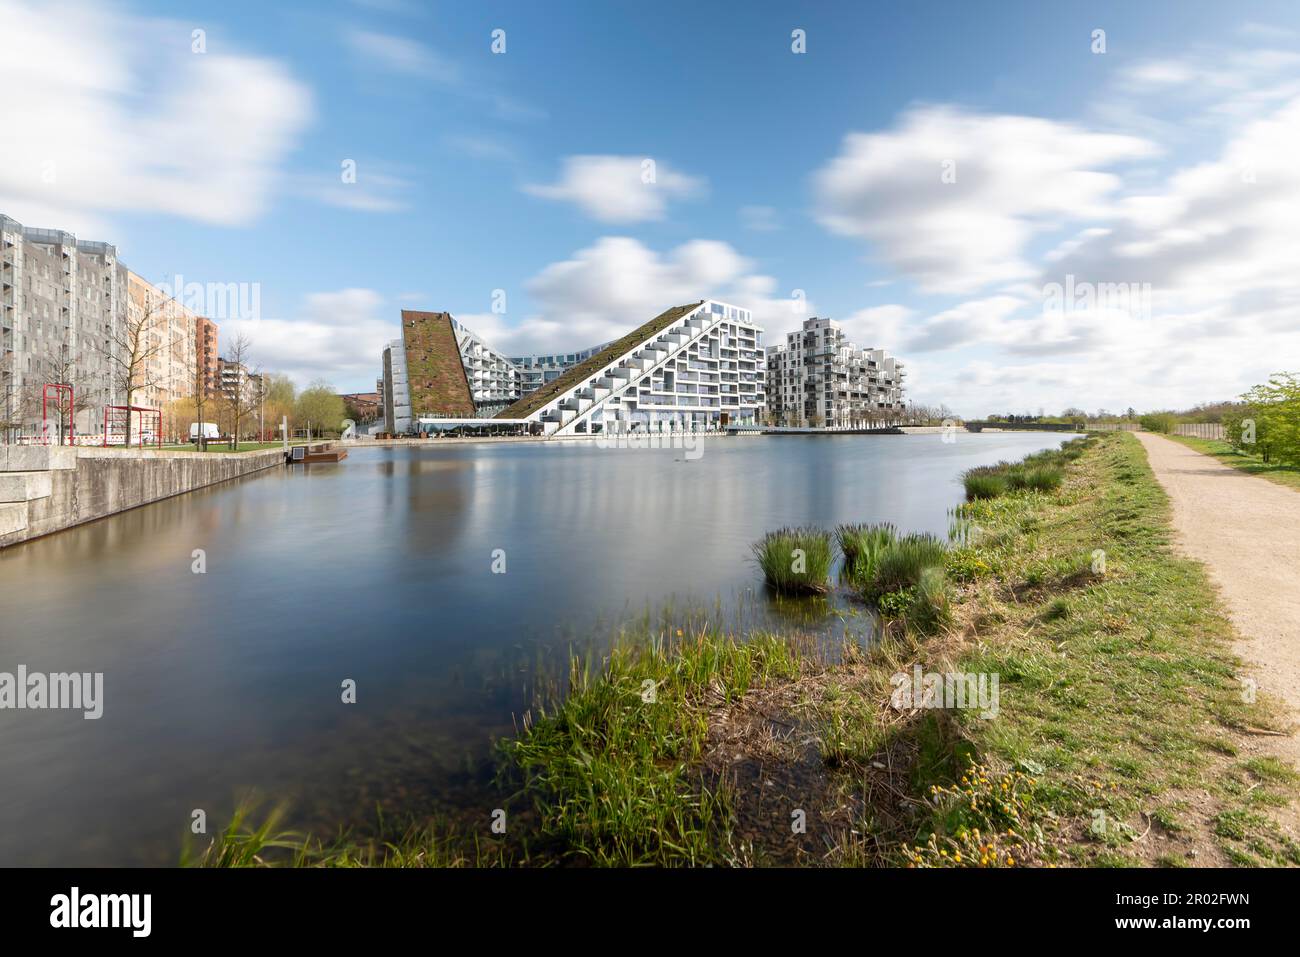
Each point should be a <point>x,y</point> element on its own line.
<point>795,561</point>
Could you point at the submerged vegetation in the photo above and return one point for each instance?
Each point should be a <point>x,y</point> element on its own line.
<point>1059,689</point>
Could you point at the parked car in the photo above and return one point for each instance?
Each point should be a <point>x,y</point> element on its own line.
<point>208,431</point>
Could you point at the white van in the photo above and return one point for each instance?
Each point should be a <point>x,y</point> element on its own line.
<point>209,431</point>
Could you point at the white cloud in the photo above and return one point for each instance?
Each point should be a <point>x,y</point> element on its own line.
<point>338,336</point>
<point>1012,177</point>
<point>619,189</point>
<point>109,111</point>
<point>607,289</point>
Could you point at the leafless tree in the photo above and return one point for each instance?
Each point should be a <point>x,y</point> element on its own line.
<point>135,341</point>
<point>243,400</point>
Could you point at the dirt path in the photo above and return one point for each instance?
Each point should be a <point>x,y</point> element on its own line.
<point>1246,530</point>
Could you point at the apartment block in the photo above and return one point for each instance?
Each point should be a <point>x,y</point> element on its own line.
<point>67,308</point>
<point>819,378</point>
<point>493,379</point>
<point>170,345</point>
<point>207,354</point>
<point>538,370</point>
<point>62,302</point>
<point>694,367</point>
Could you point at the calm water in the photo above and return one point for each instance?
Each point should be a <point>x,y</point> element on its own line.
<point>380,570</point>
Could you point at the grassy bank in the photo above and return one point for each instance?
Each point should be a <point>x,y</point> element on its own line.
<point>1288,475</point>
<point>1111,737</point>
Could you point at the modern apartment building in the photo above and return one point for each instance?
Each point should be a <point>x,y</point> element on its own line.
<point>694,367</point>
<point>170,345</point>
<point>66,310</point>
<point>396,389</point>
<point>536,371</point>
<point>819,378</point>
<point>234,381</point>
<point>207,354</point>
<point>691,368</point>
<point>493,379</point>
<point>62,302</point>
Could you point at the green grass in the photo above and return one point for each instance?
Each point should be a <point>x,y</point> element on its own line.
<point>615,769</point>
<point>796,561</point>
<point>1288,475</point>
<point>214,446</point>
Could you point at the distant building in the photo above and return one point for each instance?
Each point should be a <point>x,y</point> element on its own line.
<point>819,378</point>
<point>694,368</point>
<point>207,355</point>
<point>367,405</point>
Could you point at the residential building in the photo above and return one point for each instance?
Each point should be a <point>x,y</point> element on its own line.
<point>493,379</point>
<point>536,371</point>
<point>396,390</point>
<point>61,305</point>
<point>694,367</point>
<point>207,354</point>
<point>367,405</point>
<point>67,307</point>
<point>819,378</point>
<point>169,345</point>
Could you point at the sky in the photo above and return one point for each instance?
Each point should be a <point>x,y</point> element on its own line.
<point>1035,206</point>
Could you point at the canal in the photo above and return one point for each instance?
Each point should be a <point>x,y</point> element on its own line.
<point>438,579</point>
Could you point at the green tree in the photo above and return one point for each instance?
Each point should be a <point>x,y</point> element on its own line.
<point>320,409</point>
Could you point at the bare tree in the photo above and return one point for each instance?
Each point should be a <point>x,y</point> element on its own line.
<point>62,370</point>
<point>134,343</point>
<point>243,400</point>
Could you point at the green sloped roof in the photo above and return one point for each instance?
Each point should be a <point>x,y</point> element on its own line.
<point>588,368</point>
<point>435,374</point>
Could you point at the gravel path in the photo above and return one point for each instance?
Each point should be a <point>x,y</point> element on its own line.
<point>1246,531</point>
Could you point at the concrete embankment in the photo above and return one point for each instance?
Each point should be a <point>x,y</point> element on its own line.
<point>45,490</point>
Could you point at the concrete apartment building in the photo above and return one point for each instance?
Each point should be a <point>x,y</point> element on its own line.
<point>171,367</point>
<point>62,302</point>
<point>66,306</point>
<point>819,378</point>
<point>207,353</point>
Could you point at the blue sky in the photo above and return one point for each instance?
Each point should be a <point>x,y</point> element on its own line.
<point>792,183</point>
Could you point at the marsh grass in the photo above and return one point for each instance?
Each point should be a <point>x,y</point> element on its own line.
<point>861,546</point>
<point>796,561</point>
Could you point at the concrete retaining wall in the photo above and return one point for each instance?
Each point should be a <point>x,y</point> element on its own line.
<point>65,487</point>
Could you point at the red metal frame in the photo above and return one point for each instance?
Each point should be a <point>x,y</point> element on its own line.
<point>129,409</point>
<point>59,389</point>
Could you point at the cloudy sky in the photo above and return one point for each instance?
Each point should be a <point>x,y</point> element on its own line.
<point>1034,205</point>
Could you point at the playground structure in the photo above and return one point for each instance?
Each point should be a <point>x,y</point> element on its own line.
<point>58,392</point>
<point>117,421</point>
